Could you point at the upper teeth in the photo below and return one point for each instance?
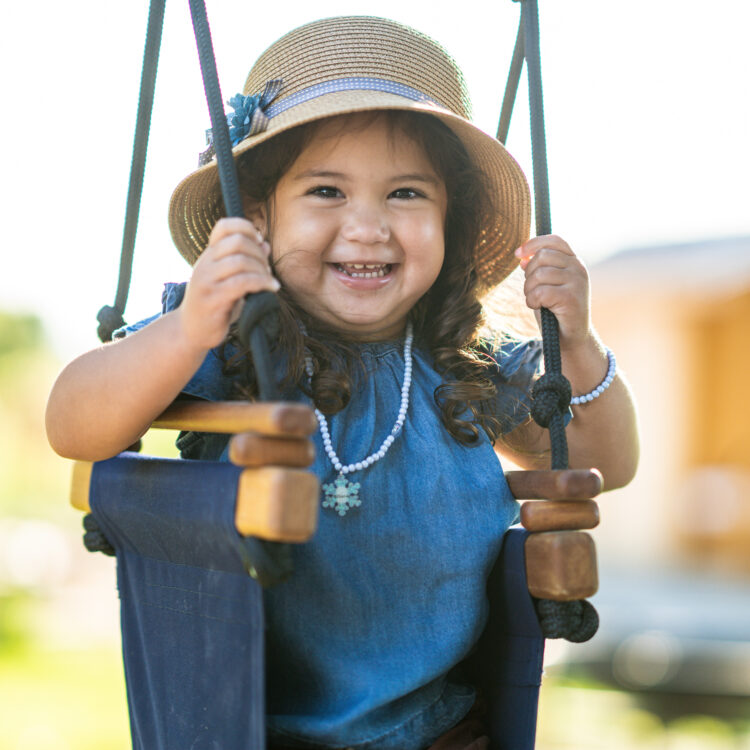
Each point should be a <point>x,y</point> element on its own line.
<point>366,270</point>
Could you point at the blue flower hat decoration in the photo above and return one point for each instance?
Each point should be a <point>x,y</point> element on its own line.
<point>249,117</point>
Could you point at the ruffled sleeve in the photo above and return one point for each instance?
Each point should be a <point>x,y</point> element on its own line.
<point>517,363</point>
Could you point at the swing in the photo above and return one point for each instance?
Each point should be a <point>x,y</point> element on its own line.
<point>191,571</point>
<point>191,601</point>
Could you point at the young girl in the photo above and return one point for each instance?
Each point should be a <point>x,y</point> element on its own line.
<point>381,216</point>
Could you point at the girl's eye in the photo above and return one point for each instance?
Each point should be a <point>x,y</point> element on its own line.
<point>406,194</point>
<point>325,191</point>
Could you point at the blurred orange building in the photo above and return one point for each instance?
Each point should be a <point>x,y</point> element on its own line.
<point>678,319</point>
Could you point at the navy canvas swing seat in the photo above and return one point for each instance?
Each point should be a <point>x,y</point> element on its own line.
<point>191,616</point>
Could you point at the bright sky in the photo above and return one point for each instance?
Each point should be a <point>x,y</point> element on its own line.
<point>647,106</point>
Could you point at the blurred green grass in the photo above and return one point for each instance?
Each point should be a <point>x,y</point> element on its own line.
<point>583,715</point>
<point>62,699</point>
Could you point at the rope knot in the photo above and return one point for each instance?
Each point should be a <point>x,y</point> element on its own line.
<point>575,621</point>
<point>110,319</point>
<point>94,539</point>
<point>550,395</point>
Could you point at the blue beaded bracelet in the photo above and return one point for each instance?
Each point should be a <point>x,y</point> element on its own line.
<point>610,376</point>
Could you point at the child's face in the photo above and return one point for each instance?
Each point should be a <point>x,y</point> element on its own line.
<point>357,231</point>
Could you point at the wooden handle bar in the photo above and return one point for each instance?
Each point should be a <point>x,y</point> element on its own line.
<point>558,515</point>
<point>561,565</point>
<point>267,418</point>
<point>565,484</point>
<point>251,449</point>
<point>273,503</point>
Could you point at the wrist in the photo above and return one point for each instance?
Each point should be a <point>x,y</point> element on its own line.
<point>594,393</point>
<point>587,365</point>
<point>186,344</point>
<point>584,346</point>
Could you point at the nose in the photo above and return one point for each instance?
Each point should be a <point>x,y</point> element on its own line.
<point>366,223</point>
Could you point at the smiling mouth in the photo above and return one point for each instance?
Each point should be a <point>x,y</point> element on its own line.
<point>364,270</point>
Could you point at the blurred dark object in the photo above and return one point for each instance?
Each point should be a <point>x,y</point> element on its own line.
<point>681,639</point>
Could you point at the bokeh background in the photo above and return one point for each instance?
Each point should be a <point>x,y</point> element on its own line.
<point>647,126</point>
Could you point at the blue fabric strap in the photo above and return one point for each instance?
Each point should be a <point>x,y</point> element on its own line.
<point>347,84</point>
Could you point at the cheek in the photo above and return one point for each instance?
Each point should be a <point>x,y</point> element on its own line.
<point>301,233</point>
<point>289,250</point>
<point>427,239</point>
<point>296,270</point>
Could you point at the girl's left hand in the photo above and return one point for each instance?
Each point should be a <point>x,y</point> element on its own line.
<point>558,280</point>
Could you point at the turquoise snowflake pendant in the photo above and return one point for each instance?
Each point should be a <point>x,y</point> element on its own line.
<point>341,495</point>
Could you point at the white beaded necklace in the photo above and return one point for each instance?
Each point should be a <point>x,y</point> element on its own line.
<point>341,494</point>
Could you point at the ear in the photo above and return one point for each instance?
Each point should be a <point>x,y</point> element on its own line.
<point>256,213</point>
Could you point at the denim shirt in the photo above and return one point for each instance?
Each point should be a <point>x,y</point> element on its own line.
<point>386,600</point>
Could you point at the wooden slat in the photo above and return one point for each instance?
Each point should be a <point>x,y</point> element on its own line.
<point>251,449</point>
<point>561,565</point>
<point>80,484</point>
<point>272,503</point>
<point>566,484</point>
<point>559,515</point>
<point>275,419</point>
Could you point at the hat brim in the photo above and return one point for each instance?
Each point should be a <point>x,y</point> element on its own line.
<point>196,204</point>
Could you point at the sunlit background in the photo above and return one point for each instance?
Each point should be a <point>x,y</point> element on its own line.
<point>647,114</point>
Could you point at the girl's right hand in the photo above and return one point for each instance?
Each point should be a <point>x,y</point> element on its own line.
<point>234,264</point>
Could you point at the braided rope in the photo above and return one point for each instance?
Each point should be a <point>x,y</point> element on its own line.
<point>257,318</point>
<point>267,562</point>
<point>110,318</point>
<point>511,87</point>
<point>552,389</point>
<point>576,621</point>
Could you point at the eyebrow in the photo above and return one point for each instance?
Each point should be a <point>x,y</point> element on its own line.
<point>417,177</point>
<point>327,174</point>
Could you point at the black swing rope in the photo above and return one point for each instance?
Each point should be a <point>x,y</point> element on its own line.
<point>259,318</point>
<point>269,561</point>
<point>575,621</point>
<point>111,317</point>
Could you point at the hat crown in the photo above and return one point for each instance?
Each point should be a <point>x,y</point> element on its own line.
<point>366,47</point>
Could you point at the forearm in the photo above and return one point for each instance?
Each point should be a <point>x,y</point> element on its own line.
<point>103,401</point>
<point>603,433</point>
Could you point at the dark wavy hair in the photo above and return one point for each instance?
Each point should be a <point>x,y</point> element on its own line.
<point>446,320</point>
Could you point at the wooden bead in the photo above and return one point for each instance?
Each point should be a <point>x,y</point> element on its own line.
<point>561,565</point>
<point>565,484</point>
<point>251,449</point>
<point>558,515</point>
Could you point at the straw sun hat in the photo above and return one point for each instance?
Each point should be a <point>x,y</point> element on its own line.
<point>352,64</point>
